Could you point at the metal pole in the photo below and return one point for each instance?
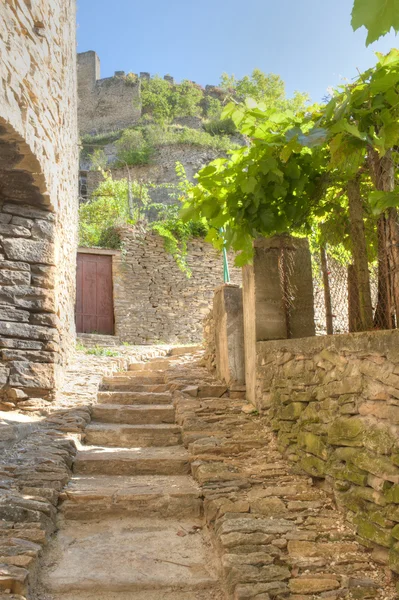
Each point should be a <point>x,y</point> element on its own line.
<point>226,272</point>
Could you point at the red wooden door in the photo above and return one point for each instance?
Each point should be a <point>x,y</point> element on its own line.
<point>94,297</point>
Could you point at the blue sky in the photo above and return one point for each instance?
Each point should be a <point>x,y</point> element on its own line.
<point>309,43</point>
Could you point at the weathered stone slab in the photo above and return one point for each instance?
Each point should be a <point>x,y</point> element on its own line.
<point>32,375</point>
<point>30,332</point>
<point>29,251</point>
<point>26,210</point>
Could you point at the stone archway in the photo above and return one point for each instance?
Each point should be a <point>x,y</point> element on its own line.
<point>29,337</point>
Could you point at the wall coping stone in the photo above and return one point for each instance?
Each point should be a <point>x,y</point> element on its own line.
<point>105,251</point>
<point>382,342</point>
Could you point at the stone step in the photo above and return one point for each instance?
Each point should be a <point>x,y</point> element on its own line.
<point>181,350</point>
<point>134,415</point>
<point>172,460</point>
<point>91,340</point>
<point>120,555</point>
<point>212,593</point>
<point>143,377</point>
<point>141,496</point>
<point>130,384</point>
<point>136,398</point>
<point>147,374</point>
<point>132,436</point>
<point>154,365</point>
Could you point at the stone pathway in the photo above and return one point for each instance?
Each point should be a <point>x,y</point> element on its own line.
<point>130,525</point>
<point>135,526</point>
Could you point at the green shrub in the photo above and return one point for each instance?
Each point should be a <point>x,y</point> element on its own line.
<point>98,160</point>
<point>213,108</point>
<point>165,101</point>
<point>220,127</point>
<point>133,149</point>
<point>108,209</point>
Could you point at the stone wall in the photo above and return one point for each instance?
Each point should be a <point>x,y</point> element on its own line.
<point>154,300</point>
<point>105,104</point>
<point>38,196</point>
<point>334,404</point>
<point>162,168</point>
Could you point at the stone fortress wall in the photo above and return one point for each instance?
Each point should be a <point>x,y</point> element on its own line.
<point>105,104</point>
<point>38,197</point>
<point>114,102</point>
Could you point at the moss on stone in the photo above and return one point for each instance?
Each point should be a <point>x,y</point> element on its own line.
<point>313,465</point>
<point>310,414</point>
<point>377,465</point>
<point>378,439</point>
<point>313,444</point>
<point>392,495</point>
<point>394,558</point>
<point>346,432</point>
<point>392,513</point>
<point>292,411</point>
<point>395,532</point>
<point>347,472</point>
<point>373,532</point>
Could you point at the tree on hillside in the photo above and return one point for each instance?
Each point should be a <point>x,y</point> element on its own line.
<point>263,87</point>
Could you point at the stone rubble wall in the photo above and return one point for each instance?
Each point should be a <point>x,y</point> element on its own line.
<point>38,196</point>
<point>153,300</point>
<point>334,405</point>
<point>162,168</point>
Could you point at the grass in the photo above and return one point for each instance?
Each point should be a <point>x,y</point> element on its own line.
<point>175,134</point>
<point>101,139</point>
<point>100,351</point>
<point>96,351</point>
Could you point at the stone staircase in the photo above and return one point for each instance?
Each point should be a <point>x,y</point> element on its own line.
<point>131,518</point>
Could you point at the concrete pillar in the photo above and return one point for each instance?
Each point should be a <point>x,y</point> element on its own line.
<point>229,334</point>
<point>277,297</point>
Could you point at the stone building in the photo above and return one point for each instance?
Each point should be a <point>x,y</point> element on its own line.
<point>38,196</point>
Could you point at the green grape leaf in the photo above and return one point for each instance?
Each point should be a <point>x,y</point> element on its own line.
<point>378,16</point>
<point>248,185</point>
<point>380,201</point>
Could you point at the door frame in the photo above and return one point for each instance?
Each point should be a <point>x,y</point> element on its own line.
<point>104,252</point>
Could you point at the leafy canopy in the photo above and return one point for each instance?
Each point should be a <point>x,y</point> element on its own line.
<point>287,180</point>
<point>263,87</point>
<point>378,16</point>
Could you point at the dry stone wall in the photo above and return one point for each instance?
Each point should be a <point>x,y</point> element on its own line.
<point>334,404</point>
<point>38,196</point>
<point>153,299</point>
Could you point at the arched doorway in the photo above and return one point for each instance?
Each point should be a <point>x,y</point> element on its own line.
<point>29,336</point>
